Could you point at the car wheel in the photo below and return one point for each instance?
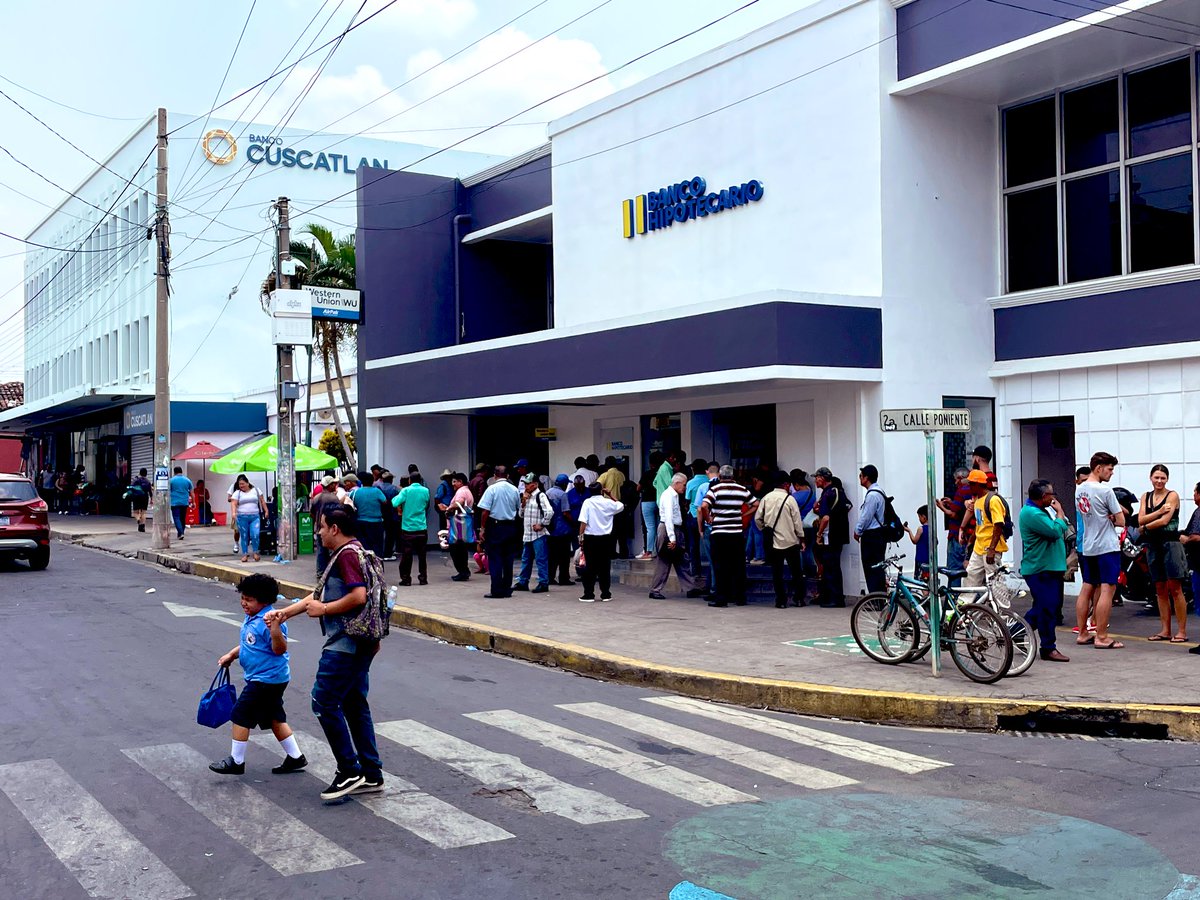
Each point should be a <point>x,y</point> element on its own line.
<point>40,559</point>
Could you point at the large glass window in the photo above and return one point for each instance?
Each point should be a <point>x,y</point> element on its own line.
<point>1160,218</point>
<point>1099,180</point>
<point>1032,240</point>
<point>1091,126</point>
<point>1029,142</point>
<point>1093,218</point>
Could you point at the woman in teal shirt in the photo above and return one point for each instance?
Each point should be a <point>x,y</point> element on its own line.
<point>1043,562</point>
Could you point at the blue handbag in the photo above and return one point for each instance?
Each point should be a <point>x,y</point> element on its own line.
<point>216,706</point>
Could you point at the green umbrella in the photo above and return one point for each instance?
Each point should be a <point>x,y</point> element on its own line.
<point>263,456</point>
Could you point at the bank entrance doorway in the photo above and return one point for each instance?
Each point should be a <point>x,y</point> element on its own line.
<point>1047,451</point>
<point>502,438</point>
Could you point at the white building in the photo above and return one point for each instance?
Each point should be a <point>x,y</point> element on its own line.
<point>90,314</point>
<point>899,229</point>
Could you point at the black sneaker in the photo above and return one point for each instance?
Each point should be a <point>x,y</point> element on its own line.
<point>605,596</point>
<point>228,767</point>
<point>520,587</point>
<point>369,785</point>
<point>460,577</point>
<point>541,589</point>
<point>655,595</point>
<point>290,764</point>
<point>341,786</point>
<point>1195,649</point>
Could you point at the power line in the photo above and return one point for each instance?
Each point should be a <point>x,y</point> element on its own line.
<point>68,106</point>
<point>65,190</point>
<point>276,73</point>
<point>217,94</point>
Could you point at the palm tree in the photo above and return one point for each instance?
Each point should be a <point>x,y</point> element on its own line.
<point>329,261</point>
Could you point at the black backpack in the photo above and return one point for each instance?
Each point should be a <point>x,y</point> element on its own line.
<point>1006,526</point>
<point>891,526</point>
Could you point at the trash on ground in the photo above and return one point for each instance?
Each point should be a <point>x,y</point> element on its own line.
<point>151,590</point>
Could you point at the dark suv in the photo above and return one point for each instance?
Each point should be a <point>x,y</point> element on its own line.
<point>24,524</point>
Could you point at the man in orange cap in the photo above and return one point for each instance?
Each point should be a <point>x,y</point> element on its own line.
<point>992,521</point>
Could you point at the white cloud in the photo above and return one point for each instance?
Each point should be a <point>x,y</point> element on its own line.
<point>531,75</point>
<point>429,17</point>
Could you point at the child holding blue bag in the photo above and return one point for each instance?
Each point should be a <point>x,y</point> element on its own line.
<point>263,654</point>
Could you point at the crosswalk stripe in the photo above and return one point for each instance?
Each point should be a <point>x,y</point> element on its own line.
<point>402,802</point>
<point>756,760</point>
<point>269,832</point>
<point>106,860</point>
<point>651,772</point>
<point>851,748</point>
<point>503,771</point>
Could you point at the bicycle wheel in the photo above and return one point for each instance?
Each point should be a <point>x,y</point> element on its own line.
<point>1024,640</point>
<point>980,644</point>
<point>884,629</point>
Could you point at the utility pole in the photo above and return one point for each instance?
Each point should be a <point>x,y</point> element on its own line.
<point>285,468</point>
<point>161,536</point>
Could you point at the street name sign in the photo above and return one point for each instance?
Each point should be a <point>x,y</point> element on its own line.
<point>925,420</point>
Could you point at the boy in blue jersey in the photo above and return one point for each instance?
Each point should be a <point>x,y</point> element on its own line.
<point>263,654</point>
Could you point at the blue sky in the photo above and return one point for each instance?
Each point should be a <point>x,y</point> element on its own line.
<point>122,60</point>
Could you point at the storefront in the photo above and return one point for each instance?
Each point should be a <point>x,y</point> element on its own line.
<point>756,251</point>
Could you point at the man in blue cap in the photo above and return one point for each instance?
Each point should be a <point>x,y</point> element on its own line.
<point>562,526</point>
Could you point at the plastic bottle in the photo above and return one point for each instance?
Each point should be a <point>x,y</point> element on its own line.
<point>391,598</point>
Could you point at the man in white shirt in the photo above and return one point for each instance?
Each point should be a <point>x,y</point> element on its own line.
<point>596,540</point>
<point>582,471</point>
<point>671,543</point>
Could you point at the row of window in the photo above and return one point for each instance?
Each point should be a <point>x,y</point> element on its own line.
<point>113,358</point>
<point>1099,180</point>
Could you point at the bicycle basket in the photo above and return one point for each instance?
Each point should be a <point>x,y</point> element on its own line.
<point>1005,588</point>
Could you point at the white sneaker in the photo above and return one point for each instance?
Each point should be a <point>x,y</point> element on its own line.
<point>587,598</point>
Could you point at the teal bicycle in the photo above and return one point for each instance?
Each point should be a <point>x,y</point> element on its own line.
<point>891,627</point>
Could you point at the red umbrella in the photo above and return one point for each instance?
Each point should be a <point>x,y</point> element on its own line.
<point>201,450</point>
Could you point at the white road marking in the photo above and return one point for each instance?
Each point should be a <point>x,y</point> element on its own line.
<point>756,760</point>
<point>199,612</point>
<point>851,748</point>
<point>269,832</point>
<point>643,769</point>
<point>106,860</point>
<point>500,771</point>
<point>402,802</point>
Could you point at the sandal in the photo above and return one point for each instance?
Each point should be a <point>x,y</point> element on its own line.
<point>257,558</point>
<point>1111,645</point>
<point>245,559</point>
<point>1090,640</point>
<point>1160,637</point>
<point>1179,639</point>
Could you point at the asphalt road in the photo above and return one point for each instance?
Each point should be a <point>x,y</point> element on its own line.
<point>507,780</point>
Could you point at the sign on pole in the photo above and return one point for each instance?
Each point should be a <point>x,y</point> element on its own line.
<point>930,421</point>
<point>925,419</point>
<point>334,303</point>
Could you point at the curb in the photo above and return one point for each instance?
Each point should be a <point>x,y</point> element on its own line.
<point>885,707</point>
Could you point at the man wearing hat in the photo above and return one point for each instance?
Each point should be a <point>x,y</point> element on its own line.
<point>561,527</point>
<point>991,512</point>
<point>328,496</point>
<point>536,513</point>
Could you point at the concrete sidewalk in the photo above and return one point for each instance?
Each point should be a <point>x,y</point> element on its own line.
<point>800,659</point>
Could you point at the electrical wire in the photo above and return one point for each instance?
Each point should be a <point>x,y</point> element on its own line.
<point>70,193</point>
<point>68,106</point>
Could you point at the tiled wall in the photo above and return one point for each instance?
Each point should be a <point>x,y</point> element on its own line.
<point>1144,413</point>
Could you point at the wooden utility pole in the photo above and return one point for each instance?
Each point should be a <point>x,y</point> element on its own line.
<point>286,395</point>
<point>161,536</point>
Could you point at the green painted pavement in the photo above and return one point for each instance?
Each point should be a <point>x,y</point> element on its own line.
<point>841,644</point>
<point>882,846</point>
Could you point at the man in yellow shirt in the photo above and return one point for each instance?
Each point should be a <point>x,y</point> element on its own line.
<point>991,512</point>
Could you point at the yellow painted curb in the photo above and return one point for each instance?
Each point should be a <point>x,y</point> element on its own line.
<point>891,707</point>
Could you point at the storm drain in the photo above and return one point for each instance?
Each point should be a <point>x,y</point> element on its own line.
<point>1093,724</point>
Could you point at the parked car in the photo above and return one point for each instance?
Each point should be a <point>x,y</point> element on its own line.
<point>24,522</point>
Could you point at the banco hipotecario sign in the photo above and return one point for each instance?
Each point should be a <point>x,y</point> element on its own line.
<point>681,202</point>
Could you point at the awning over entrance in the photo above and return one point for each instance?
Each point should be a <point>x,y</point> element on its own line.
<point>31,416</point>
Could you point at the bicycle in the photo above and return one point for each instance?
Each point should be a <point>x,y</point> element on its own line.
<point>887,628</point>
<point>997,597</point>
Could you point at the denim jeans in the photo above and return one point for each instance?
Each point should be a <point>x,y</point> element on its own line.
<point>179,516</point>
<point>339,701</point>
<point>650,518</point>
<point>1196,591</point>
<point>754,542</point>
<point>248,530</point>
<point>956,558</point>
<point>1046,589</point>
<point>531,551</point>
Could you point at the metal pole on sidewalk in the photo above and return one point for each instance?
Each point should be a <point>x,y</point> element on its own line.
<point>160,538</point>
<point>285,467</point>
<point>935,603</point>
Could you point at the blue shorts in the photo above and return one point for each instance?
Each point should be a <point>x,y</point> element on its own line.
<point>1102,569</point>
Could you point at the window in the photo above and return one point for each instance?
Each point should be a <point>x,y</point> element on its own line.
<point>1099,180</point>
